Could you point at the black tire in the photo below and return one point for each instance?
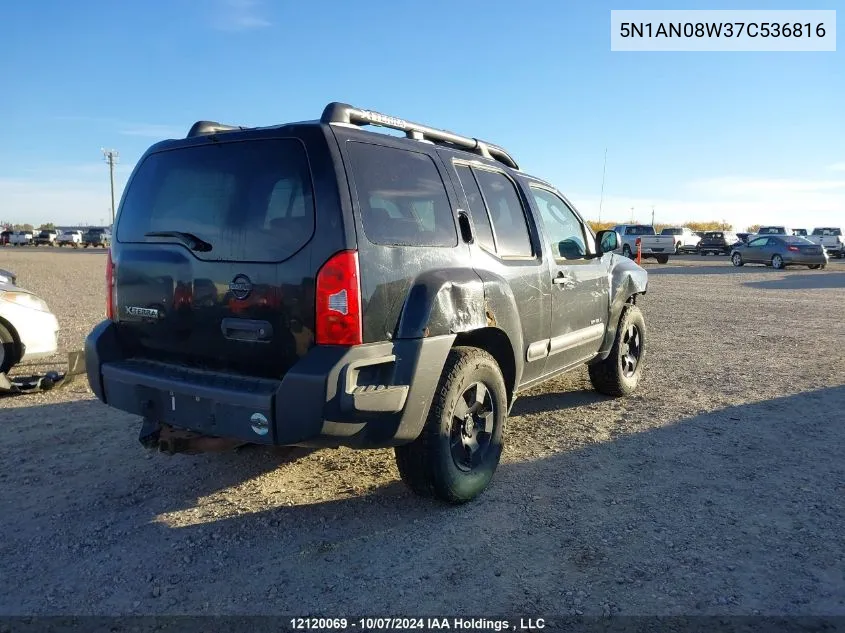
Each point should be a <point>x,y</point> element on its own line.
<point>614,376</point>
<point>431,465</point>
<point>662,259</point>
<point>678,248</point>
<point>777,262</point>
<point>626,252</point>
<point>702,253</point>
<point>815,266</point>
<point>8,350</point>
<point>736,260</point>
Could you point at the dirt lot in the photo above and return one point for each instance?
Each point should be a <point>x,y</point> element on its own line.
<point>718,489</point>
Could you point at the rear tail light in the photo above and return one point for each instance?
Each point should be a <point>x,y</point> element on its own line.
<point>338,297</point>
<point>638,240</point>
<point>794,249</point>
<point>110,287</point>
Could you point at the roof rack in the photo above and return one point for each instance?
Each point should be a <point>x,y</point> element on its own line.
<point>344,113</point>
<point>203,128</point>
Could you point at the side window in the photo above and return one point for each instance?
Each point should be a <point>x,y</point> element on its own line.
<point>759,242</point>
<point>402,197</point>
<point>506,213</point>
<point>564,230</point>
<point>480,219</point>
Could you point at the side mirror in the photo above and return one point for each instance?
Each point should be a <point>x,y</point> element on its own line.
<point>607,241</point>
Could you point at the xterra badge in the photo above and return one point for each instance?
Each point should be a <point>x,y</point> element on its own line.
<point>149,313</point>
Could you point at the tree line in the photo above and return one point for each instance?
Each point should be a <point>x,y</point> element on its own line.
<point>693,226</point>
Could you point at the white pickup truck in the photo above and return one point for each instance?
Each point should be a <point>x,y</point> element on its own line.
<point>830,238</point>
<point>651,244</point>
<point>21,238</point>
<point>685,239</point>
<point>70,238</point>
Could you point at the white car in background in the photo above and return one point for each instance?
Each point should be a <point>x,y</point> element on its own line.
<point>27,327</point>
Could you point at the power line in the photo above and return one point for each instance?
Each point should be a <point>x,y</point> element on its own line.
<point>111,157</point>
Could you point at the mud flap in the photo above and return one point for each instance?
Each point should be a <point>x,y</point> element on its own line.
<point>44,382</point>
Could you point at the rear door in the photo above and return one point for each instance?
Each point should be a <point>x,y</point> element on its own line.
<point>505,247</point>
<point>580,284</point>
<point>211,259</point>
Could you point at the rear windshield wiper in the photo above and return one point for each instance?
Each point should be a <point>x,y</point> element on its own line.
<point>188,239</point>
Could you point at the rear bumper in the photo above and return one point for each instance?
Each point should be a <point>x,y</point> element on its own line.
<point>366,396</point>
<point>801,259</point>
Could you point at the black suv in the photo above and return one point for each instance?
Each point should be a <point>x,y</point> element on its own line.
<point>318,284</point>
<point>96,238</point>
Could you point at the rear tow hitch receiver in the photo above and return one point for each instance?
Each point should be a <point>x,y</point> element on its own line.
<point>172,440</point>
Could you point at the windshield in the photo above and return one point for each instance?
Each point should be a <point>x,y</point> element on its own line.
<point>250,200</point>
<point>639,230</point>
<point>828,232</point>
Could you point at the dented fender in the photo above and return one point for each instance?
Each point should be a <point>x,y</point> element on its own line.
<point>626,279</point>
<point>443,302</point>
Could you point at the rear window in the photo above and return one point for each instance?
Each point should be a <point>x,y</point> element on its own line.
<point>715,235</point>
<point>402,197</point>
<point>251,200</point>
<point>672,232</point>
<point>639,230</point>
<point>771,230</point>
<point>828,232</point>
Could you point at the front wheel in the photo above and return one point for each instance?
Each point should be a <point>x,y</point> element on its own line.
<point>458,451</point>
<point>777,262</point>
<point>815,266</point>
<point>736,259</point>
<point>626,251</point>
<point>619,373</point>
<point>8,352</point>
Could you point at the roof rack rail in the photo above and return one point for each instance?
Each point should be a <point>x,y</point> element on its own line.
<point>337,112</point>
<point>203,128</point>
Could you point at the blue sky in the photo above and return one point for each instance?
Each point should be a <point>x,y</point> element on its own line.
<point>747,137</point>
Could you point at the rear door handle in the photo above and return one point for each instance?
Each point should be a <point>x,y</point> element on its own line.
<point>563,279</point>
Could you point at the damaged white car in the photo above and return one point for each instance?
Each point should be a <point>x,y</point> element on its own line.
<point>27,327</point>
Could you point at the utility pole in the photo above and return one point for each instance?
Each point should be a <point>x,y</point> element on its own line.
<point>111,156</point>
<point>652,215</point>
<point>632,215</point>
<point>603,172</point>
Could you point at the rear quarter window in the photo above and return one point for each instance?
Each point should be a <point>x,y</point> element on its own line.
<point>401,197</point>
<point>251,200</point>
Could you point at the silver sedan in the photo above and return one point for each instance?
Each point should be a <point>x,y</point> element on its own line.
<point>779,251</point>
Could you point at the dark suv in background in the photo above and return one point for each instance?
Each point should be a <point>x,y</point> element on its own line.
<point>319,284</point>
<point>96,238</point>
<point>717,243</point>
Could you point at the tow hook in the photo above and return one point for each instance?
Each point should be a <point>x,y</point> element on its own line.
<point>149,434</point>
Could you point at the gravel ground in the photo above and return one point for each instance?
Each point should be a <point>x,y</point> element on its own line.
<point>718,489</point>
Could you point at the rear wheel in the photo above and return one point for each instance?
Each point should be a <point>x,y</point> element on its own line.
<point>702,253</point>
<point>777,262</point>
<point>736,259</point>
<point>815,266</point>
<point>619,373</point>
<point>458,451</point>
<point>8,350</point>
<point>678,248</point>
<point>662,259</point>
